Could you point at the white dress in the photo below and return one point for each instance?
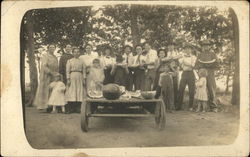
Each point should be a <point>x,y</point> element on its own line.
<point>57,97</point>
<point>201,89</point>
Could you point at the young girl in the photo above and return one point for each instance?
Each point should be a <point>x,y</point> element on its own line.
<point>201,91</point>
<point>159,62</point>
<point>166,85</point>
<point>95,77</point>
<point>57,97</point>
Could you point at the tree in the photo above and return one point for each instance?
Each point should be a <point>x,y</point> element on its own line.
<point>57,25</point>
<point>236,88</point>
<point>27,45</point>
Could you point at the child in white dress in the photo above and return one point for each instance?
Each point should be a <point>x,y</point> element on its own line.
<point>57,98</point>
<point>201,96</point>
<point>95,77</point>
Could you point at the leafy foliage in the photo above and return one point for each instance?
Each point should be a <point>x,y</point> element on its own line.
<point>117,25</point>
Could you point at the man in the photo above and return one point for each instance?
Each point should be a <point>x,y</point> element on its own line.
<point>128,58</point>
<point>187,63</point>
<point>208,60</point>
<point>63,61</point>
<point>151,69</point>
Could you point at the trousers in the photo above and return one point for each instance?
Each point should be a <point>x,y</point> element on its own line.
<point>187,79</point>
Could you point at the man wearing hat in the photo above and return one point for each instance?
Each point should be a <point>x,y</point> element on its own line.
<point>207,59</point>
<point>187,63</point>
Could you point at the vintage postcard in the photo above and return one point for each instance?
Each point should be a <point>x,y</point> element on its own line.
<point>125,78</point>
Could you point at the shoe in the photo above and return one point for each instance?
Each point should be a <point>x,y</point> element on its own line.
<point>203,111</point>
<point>190,109</point>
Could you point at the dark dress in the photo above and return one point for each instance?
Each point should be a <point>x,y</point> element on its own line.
<point>120,76</point>
<point>62,65</point>
<point>108,77</point>
<point>167,93</point>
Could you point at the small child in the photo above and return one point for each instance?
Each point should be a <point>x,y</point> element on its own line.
<point>167,89</point>
<point>201,96</point>
<point>57,97</point>
<point>95,77</point>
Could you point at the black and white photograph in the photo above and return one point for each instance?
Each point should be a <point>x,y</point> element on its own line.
<point>130,75</point>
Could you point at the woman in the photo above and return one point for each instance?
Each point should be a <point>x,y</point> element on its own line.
<point>140,68</point>
<point>49,67</point>
<point>76,76</point>
<point>89,56</point>
<point>158,64</point>
<point>107,61</point>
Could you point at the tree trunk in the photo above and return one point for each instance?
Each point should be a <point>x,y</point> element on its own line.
<point>31,58</point>
<point>227,83</point>
<point>134,26</point>
<point>236,79</point>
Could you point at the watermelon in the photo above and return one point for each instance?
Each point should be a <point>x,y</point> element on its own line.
<point>111,91</point>
<point>207,60</point>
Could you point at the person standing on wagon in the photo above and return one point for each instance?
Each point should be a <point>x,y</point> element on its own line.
<point>151,70</point>
<point>49,67</point>
<point>208,60</point>
<point>187,63</point>
<point>76,81</point>
<point>63,61</point>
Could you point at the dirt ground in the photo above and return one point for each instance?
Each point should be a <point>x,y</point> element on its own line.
<point>183,128</point>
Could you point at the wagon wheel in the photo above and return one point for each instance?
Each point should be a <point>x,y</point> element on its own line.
<point>84,118</point>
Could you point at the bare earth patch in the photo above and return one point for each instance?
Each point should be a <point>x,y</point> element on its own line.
<point>184,128</point>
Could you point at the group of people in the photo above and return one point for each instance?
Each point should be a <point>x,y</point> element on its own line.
<point>139,68</point>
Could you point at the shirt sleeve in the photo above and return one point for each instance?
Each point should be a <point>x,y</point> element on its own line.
<point>61,63</point>
<point>45,65</point>
<point>68,69</point>
<point>193,60</point>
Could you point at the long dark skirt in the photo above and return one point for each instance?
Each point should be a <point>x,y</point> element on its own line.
<point>139,78</point>
<point>108,77</point>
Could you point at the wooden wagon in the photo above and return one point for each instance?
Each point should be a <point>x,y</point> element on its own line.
<point>132,107</point>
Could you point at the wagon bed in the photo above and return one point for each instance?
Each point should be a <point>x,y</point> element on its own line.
<point>133,107</point>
